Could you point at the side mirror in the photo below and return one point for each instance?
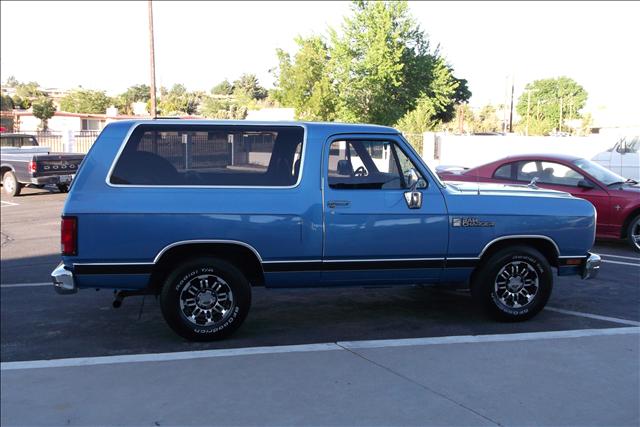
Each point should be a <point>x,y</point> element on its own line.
<point>413,197</point>
<point>586,184</point>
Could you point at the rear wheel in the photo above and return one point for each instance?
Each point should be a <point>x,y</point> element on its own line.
<point>10,184</point>
<point>205,299</point>
<point>514,284</point>
<point>63,188</point>
<point>633,235</point>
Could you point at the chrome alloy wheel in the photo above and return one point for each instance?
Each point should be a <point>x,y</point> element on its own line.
<point>9,184</point>
<point>635,233</point>
<point>516,284</point>
<point>206,300</point>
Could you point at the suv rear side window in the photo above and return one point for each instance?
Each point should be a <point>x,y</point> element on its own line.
<point>265,156</point>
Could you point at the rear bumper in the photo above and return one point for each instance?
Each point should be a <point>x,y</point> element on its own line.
<point>51,179</point>
<point>590,266</point>
<point>63,280</point>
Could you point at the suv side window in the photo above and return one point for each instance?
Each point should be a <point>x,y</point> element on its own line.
<point>357,164</point>
<point>201,155</point>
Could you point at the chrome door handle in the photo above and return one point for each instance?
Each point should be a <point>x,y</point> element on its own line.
<point>338,203</point>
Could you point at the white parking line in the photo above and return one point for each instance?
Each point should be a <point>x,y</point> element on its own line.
<point>623,257</point>
<point>25,285</point>
<point>8,203</point>
<point>339,346</point>
<point>594,316</point>
<point>621,263</point>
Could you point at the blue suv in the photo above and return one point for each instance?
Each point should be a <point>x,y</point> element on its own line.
<point>199,212</point>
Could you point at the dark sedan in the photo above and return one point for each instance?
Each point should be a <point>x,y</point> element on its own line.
<point>616,199</point>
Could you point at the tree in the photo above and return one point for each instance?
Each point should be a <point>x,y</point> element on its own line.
<point>543,101</point>
<point>248,88</point>
<point>44,109</point>
<point>304,84</point>
<point>487,120</point>
<point>376,69</point>
<point>223,88</point>
<point>178,101</point>
<point>6,103</point>
<point>85,101</point>
<point>11,82</point>
<point>216,108</point>
<point>136,93</point>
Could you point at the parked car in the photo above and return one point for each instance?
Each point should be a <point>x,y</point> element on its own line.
<point>198,212</point>
<point>616,199</point>
<point>24,162</point>
<point>623,158</point>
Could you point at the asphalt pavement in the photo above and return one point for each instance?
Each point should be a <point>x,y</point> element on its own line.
<point>584,378</point>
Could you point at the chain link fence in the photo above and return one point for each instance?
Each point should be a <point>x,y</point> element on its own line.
<point>80,141</point>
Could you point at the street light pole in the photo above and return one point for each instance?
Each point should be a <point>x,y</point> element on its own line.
<point>152,59</point>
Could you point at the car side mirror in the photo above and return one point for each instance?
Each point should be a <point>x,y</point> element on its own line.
<point>586,184</point>
<point>344,167</point>
<point>413,197</point>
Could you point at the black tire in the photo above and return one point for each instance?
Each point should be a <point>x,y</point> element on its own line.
<point>633,233</point>
<point>203,310</point>
<point>505,280</point>
<point>63,188</point>
<point>10,184</point>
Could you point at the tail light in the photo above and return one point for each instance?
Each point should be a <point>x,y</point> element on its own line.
<point>33,167</point>
<point>69,235</point>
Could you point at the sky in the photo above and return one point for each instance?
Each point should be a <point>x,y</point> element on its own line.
<point>105,45</point>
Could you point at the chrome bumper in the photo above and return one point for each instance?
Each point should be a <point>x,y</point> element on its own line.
<point>63,281</point>
<point>591,266</point>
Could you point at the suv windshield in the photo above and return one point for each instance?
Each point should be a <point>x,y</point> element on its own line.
<point>600,173</point>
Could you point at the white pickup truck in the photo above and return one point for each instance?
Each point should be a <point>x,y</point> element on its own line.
<point>623,158</point>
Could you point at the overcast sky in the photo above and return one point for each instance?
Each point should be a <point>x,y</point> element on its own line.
<point>104,45</point>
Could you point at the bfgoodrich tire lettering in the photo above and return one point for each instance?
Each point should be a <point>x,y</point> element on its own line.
<point>205,299</point>
<point>513,284</point>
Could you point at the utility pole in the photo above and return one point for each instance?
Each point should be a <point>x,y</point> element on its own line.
<point>504,106</point>
<point>560,121</point>
<point>152,60</point>
<point>528,108</point>
<point>511,108</point>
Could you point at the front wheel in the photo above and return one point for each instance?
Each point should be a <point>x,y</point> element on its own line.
<point>634,233</point>
<point>205,299</point>
<point>514,284</point>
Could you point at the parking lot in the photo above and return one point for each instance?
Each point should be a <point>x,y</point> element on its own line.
<point>318,356</point>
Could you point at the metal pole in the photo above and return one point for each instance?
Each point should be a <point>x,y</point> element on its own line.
<point>528,107</point>
<point>152,59</point>
<point>560,124</point>
<point>511,108</point>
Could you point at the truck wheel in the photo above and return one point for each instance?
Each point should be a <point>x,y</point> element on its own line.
<point>514,284</point>
<point>634,233</point>
<point>205,299</point>
<point>10,184</point>
<point>63,188</point>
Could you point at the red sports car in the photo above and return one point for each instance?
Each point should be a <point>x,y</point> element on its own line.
<point>616,199</point>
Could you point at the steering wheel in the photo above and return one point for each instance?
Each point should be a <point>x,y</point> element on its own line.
<point>361,171</point>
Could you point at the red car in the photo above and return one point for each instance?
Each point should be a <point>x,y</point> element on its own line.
<point>616,199</point>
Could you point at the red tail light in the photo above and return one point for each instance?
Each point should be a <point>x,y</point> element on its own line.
<point>32,167</point>
<point>69,235</point>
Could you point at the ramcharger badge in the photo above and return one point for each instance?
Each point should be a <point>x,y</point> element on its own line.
<point>471,222</point>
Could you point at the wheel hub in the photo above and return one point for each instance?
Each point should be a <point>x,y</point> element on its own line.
<point>515,284</point>
<point>206,299</point>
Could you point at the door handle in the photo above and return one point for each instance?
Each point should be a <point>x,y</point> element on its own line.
<point>338,204</point>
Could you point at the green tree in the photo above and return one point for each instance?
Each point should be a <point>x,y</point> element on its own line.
<point>44,109</point>
<point>378,68</point>
<point>304,84</point>
<point>85,101</point>
<point>247,88</point>
<point>487,120</point>
<point>20,103</point>
<point>543,100</point>
<point>178,101</point>
<point>223,88</point>
<point>11,82</point>
<point>29,90</point>
<point>216,108</point>
<point>6,103</point>
<point>136,93</point>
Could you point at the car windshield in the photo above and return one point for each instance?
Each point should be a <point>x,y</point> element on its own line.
<point>600,173</point>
